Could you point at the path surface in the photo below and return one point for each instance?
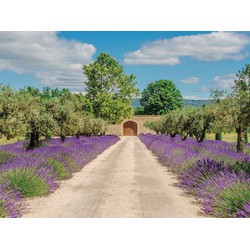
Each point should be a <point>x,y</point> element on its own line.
<point>125,181</point>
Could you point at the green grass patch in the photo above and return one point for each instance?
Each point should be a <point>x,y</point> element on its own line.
<point>25,181</point>
<point>228,137</point>
<point>231,199</point>
<point>4,140</point>
<point>62,172</point>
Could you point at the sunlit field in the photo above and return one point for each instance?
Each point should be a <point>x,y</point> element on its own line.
<point>232,137</point>
<point>4,141</point>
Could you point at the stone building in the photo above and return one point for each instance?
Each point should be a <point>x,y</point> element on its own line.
<point>132,126</point>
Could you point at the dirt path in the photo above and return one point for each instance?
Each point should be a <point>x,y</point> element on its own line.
<point>125,181</point>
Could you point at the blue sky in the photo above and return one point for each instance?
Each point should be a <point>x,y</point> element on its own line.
<point>195,61</point>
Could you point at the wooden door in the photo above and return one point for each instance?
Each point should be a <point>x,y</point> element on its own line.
<point>130,128</point>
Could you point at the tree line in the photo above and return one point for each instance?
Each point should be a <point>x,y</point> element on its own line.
<point>224,114</point>
<point>51,112</point>
<point>55,112</point>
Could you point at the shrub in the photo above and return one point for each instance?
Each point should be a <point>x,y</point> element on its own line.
<point>26,181</point>
<point>61,170</point>
<point>231,199</point>
<point>244,212</point>
<point>11,202</point>
<point>196,174</point>
<point>241,166</point>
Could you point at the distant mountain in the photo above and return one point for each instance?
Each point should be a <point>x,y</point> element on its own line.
<point>195,103</point>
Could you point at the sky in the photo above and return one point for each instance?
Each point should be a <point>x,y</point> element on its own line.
<point>194,61</point>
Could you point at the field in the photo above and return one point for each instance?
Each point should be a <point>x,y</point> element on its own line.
<point>4,141</point>
<point>212,171</point>
<point>28,173</point>
<point>232,137</point>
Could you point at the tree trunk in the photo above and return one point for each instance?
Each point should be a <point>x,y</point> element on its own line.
<point>184,137</point>
<point>34,140</point>
<point>218,135</point>
<point>77,136</point>
<point>34,136</point>
<point>203,135</point>
<point>246,136</point>
<point>240,141</point>
<point>48,137</point>
<point>63,137</point>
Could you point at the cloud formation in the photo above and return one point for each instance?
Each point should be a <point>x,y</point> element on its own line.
<point>225,82</point>
<point>207,47</point>
<point>55,61</point>
<point>204,90</point>
<point>192,79</point>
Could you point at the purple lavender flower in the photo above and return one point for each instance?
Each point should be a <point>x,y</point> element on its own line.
<point>212,170</point>
<point>72,155</point>
<point>204,169</point>
<point>11,202</point>
<point>244,212</point>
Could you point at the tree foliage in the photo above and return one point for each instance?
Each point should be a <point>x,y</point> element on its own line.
<point>160,97</point>
<point>240,104</point>
<point>45,114</point>
<point>109,90</point>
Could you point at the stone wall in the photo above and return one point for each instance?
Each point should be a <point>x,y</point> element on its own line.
<point>117,129</point>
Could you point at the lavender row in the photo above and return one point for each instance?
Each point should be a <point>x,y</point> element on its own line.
<point>27,173</point>
<point>213,171</point>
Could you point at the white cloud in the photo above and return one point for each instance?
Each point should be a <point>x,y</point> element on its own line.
<point>192,79</point>
<point>55,61</point>
<point>225,82</point>
<point>194,97</point>
<point>203,90</point>
<point>208,47</point>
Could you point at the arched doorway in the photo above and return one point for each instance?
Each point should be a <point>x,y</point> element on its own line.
<point>130,128</point>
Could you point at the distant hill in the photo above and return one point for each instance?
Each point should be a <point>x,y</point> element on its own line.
<point>195,103</point>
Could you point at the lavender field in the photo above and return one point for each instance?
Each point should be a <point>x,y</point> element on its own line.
<point>27,173</point>
<point>212,171</point>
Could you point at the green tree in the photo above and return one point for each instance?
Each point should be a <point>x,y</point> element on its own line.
<point>15,111</point>
<point>68,115</point>
<point>241,97</point>
<point>203,119</point>
<point>159,97</point>
<point>156,126</point>
<point>109,90</point>
<point>41,121</point>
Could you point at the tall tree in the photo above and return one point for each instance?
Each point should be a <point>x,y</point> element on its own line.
<point>109,90</point>
<point>238,104</point>
<point>161,96</point>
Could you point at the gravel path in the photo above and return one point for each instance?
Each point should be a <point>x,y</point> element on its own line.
<point>124,181</point>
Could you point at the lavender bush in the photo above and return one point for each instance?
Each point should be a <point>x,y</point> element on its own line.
<point>213,171</point>
<point>27,173</point>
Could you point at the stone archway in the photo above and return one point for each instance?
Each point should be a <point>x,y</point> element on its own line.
<point>130,128</point>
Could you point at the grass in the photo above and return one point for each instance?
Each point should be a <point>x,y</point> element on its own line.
<point>4,141</point>
<point>232,137</point>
